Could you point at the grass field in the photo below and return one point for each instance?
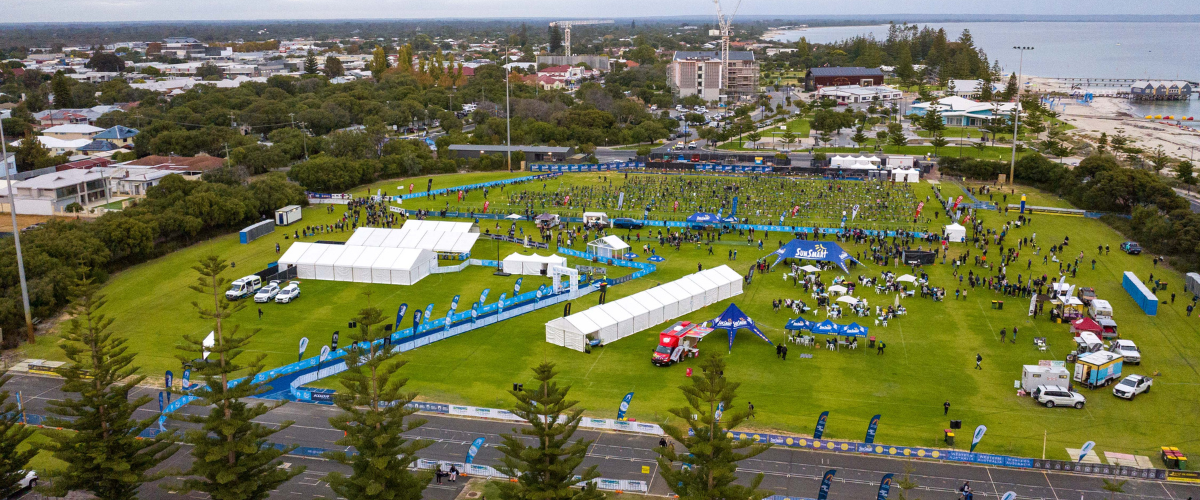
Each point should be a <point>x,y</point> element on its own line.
<point>929,358</point>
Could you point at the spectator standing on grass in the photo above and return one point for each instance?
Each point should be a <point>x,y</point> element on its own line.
<point>978,359</point>
<point>1002,335</point>
<point>946,407</point>
<point>260,313</point>
<point>1014,335</point>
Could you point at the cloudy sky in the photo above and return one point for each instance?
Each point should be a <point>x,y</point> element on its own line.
<point>155,10</point>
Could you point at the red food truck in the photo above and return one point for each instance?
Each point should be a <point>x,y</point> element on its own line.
<point>678,343</point>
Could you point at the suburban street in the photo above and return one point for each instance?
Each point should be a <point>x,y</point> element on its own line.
<point>790,472</point>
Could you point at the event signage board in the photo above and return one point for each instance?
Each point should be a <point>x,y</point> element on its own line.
<point>400,314</point>
<point>303,347</point>
<point>475,446</point>
<point>1087,447</point>
<point>885,487</point>
<point>979,432</point>
<point>168,379</point>
<point>324,354</point>
<point>624,406</point>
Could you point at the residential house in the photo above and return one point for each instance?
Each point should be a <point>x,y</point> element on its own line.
<point>119,135</point>
<point>191,167</point>
<point>99,147</point>
<point>134,181</point>
<point>50,194</point>
<point>58,146</point>
<point>10,164</point>
<point>52,117</point>
<point>1161,90</point>
<point>72,131</point>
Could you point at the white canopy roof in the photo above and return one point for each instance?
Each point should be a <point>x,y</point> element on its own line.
<point>611,241</point>
<point>438,236</point>
<point>292,256</point>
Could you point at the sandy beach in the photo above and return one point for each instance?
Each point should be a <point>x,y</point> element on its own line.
<point>1113,115</point>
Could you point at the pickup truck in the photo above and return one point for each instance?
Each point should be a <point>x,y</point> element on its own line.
<point>1131,386</point>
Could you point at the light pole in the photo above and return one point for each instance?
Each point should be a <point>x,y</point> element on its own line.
<point>12,209</point>
<point>1012,167</point>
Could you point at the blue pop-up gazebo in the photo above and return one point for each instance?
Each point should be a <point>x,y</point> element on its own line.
<point>703,218</point>
<point>734,319</point>
<point>799,324</point>
<point>827,328</point>
<point>854,330</point>
<point>814,250</point>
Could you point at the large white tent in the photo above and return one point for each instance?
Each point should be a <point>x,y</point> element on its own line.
<point>534,265</point>
<point>438,236</point>
<point>306,265</point>
<point>906,175</point>
<point>654,308</point>
<point>381,269</point>
<point>641,315</point>
<point>411,265</point>
<point>642,310</point>
<point>607,325</point>
<point>343,268</point>
<point>363,264</point>
<point>670,304</point>
<point>325,264</point>
<point>956,233</point>
<point>623,318</point>
<point>291,257</point>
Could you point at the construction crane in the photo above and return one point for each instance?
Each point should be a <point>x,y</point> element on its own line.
<point>566,26</point>
<point>725,29</point>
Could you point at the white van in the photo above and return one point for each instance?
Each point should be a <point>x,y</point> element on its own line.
<point>243,287</point>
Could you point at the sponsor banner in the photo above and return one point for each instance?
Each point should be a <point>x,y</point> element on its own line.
<point>430,407</point>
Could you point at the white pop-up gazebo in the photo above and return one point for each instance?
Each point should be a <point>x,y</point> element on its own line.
<point>956,233</point>
<point>608,247</point>
<point>534,265</point>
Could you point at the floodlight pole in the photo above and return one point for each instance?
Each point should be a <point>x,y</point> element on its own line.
<point>508,109</point>
<point>1012,166</point>
<point>12,209</point>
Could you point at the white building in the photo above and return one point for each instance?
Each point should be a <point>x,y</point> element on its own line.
<point>855,93</point>
<point>50,194</point>
<point>700,73</point>
<point>959,111</point>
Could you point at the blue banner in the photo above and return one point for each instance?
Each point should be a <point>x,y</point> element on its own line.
<point>161,404</point>
<point>979,432</point>
<point>813,250</point>
<point>450,313</point>
<point>517,287</point>
<point>820,430</point>
<point>624,406</point>
<point>500,303</point>
<point>303,347</point>
<point>871,428</point>
<point>187,378</point>
<point>733,210</point>
<point>475,446</point>
<point>428,312</point>
<point>826,482</point>
<point>417,315</point>
<point>885,487</point>
<point>400,315</point>
<point>483,296</point>
<point>169,379</point>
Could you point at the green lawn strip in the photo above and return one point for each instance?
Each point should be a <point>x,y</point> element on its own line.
<point>929,358</point>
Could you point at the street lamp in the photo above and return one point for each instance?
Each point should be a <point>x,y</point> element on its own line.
<point>12,208</point>
<point>1012,167</point>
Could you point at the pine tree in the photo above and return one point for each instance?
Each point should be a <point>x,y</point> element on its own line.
<point>232,461</point>
<point>938,141</point>
<point>310,63</point>
<point>556,39</point>
<point>102,451</point>
<point>546,470</point>
<point>1011,90</point>
<point>904,62</point>
<point>62,91</point>
<point>859,137</point>
<point>711,454</point>
<point>379,63</point>
<point>13,433</point>
<point>373,421</point>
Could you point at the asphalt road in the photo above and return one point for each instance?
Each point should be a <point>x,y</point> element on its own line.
<point>789,472</point>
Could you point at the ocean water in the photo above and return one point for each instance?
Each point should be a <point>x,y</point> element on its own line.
<point>1166,51</point>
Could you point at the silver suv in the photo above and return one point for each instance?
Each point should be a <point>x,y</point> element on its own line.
<point>1057,395</point>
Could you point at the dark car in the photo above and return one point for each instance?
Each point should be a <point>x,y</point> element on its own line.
<point>1131,248</point>
<point>626,223</point>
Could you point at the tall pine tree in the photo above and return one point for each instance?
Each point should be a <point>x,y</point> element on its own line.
<point>546,469</point>
<point>310,63</point>
<point>101,448</point>
<point>13,433</point>
<point>231,458</point>
<point>373,420</point>
<point>61,86</point>
<point>712,454</point>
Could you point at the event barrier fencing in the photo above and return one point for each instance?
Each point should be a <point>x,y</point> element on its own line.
<point>511,239</point>
<point>951,456</point>
<point>600,167</point>
<point>757,169</point>
<point>479,185</point>
<point>1065,211</point>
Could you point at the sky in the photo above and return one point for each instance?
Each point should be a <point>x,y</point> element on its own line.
<point>171,10</point>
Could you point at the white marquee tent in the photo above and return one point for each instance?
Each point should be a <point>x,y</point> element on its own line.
<point>291,257</point>
<point>325,263</point>
<point>534,265</point>
<point>306,265</point>
<point>956,233</point>
<point>362,265</point>
<point>343,268</point>
<point>610,246</point>
<point>640,311</point>
<point>438,236</point>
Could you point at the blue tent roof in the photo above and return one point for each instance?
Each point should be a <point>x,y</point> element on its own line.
<point>854,330</point>
<point>704,218</point>
<point>814,250</point>
<point>799,324</point>
<point>734,319</point>
<point>827,328</point>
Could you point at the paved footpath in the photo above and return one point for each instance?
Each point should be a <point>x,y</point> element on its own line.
<point>792,472</point>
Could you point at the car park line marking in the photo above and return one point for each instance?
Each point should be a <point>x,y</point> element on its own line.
<point>1164,487</point>
<point>589,372</point>
<point>1052,492</point>
<point>992,481</point>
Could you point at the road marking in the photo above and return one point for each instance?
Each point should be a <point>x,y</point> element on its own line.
<point>1164,487</point>
<point>1048,483</point>
<point>992,481</point>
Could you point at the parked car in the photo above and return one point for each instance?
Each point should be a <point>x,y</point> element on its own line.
<point>1131,248</point>
<point>28,482</point>
<point>1131,386</point>
<point>626,223</point>
<point>267,293</point>
<point>289,293</point>
<point>1126,349</point>
<point>1057,395</point>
